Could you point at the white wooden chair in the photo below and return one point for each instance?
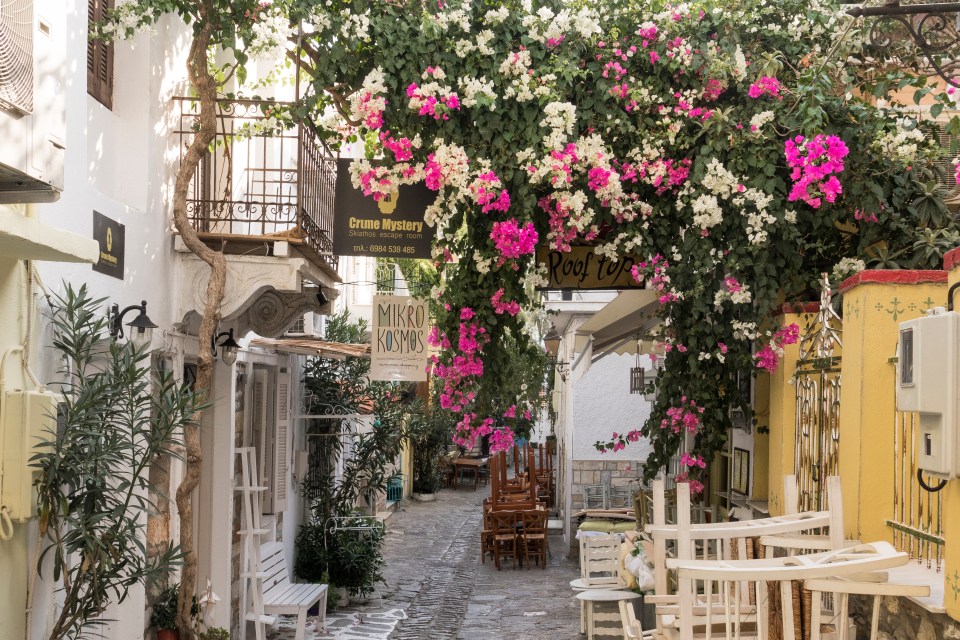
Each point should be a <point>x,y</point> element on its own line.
<point>726,577</point>
<point>842,588</point>
<point>599,568</point>
<point>716,541</point>
<point>632,630</point>
<point>600,561</point>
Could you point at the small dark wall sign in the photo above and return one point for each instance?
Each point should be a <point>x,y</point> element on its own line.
<point>741,472</point>
<point>111,235</point>
<point>390,228</point>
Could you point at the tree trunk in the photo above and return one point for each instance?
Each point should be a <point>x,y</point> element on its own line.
<point>206,88</point>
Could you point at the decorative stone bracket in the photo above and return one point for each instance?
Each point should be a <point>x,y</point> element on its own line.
<point>264,294</point>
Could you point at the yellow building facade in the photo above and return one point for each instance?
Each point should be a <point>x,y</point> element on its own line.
<point>863,438</point>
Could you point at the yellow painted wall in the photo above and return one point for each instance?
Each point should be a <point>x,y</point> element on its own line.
<point>406,468</point>
<point>872,312</point>
<point>782,416</point>
<point>951,513</point>
<point>14,552</point>
<point>761,440</point>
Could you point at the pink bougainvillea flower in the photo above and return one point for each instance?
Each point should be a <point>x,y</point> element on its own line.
<point>765,86</point>
<point>512,240</point>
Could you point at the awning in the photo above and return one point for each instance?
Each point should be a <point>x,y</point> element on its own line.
<point>617,327</point>
<point>29,239</point>
<point>314,347</point>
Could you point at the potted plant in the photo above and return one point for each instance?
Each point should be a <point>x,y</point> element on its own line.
<point>350,558</point>
<point>429,432</point>
<point>163,617</point>
<point>215,633</point>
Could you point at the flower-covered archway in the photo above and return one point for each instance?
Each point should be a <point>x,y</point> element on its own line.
<point>727,145</point>
<point>733,147</point>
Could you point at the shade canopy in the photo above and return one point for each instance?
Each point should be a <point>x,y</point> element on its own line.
<point>616,328</point>
<point>314,347</point>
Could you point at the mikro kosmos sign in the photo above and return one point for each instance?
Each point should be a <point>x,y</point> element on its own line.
<point>581,268</point>
<point>399,336</point>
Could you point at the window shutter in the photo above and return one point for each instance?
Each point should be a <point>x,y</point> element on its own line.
<point>281,441</point>
<point>99,57</point>
<point>259,436</point>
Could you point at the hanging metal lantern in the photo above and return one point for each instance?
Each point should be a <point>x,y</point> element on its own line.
<point>637,379</point>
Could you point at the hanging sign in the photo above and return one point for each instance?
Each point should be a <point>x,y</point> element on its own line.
<point>111,235</point>
<point>399,336</point>
<point>581,268</point>
<point>390,228</point>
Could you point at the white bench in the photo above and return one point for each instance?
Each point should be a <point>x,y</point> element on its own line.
<point>282,597</point>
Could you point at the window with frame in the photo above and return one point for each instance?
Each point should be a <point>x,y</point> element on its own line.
<point>99,56</point>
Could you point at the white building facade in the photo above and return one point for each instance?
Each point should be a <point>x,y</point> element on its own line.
<point>98,131</point>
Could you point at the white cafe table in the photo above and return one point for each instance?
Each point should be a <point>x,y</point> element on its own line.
<point>592,597</point>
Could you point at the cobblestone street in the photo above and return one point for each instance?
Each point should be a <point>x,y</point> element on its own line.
<point>438,589</point>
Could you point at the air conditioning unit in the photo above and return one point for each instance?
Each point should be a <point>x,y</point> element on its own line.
<point>32,106</point>
<point>305,327</point>
<point>27,417</point>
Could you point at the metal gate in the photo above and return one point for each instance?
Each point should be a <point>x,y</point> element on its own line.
<point>818,380</point>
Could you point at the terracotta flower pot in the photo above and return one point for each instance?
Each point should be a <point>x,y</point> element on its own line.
<point>168,634</point>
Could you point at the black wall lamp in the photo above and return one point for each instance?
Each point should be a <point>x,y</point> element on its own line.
<point>552,343</point>
<point>141,326</point>
<point>228,345</point>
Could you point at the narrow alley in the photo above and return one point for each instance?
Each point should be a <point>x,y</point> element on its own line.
<point>437,588</point>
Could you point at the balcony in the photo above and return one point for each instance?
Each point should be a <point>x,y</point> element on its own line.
<point>263,195</point>
<point>259,185</point>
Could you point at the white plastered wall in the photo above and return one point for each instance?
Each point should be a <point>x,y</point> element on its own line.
<point>115,163</point>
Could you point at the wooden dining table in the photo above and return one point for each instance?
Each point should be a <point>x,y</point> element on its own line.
<point>473,464</point>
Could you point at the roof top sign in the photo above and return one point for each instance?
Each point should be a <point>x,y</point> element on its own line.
<point>581,268</point>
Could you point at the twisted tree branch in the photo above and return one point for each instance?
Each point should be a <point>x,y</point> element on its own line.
<point>206,87</point>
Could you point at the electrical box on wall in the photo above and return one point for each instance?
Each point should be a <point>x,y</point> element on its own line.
<point>26,417</point>
<point>927,362</point>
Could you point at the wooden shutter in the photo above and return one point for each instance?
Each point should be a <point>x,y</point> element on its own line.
<point>99,57</point>
<point>281,441</point>
<point>259,432</point>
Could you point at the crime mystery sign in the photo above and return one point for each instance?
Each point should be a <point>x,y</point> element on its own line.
<point>111,236</point>
<point>581,268</point>
<point>390,228</point>
<point>399,337</point>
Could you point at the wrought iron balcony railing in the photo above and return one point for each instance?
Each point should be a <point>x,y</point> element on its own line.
<point>260,181</point>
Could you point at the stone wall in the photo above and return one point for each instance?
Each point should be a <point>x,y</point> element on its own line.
<point>590,472</point>
<point>903,619</point>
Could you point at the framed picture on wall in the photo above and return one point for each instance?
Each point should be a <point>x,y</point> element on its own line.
<point>740,482</point>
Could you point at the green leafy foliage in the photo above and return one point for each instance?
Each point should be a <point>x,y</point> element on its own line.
<point>116,417</point>
<point>163,614</point>
<point>429,431</point>
<point>347,463</point>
